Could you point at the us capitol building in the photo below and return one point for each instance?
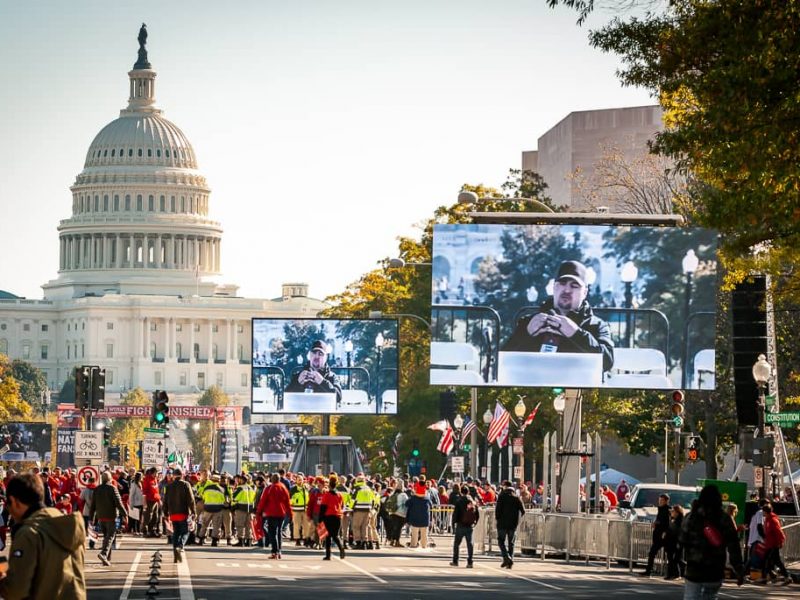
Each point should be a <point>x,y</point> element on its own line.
<point>135,292</point>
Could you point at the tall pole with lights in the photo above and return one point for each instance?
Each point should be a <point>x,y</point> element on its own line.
<point>519,412</point>
<point>487,420</point>
<point>628,275</point>
<point>689,264</point>
<point>761,373</point>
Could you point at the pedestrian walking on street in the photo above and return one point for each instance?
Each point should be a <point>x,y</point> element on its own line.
<point>675,564</point>
<point>274,507</point>
<point>179,508</point>
<point>331,509</point>
<point>465,516</point>
<point>774,538</point>
<point>507,512</point>
<point>45,560</point>
<point>106,505</point>
<point>707,533</point>
<point>418,514</point>
<point>660,530</point>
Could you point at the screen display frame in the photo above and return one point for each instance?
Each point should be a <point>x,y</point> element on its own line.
<point>355,368</point>
<point>630,273</point>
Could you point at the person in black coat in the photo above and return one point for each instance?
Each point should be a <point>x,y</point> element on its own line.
<point>507,512</point>
<point>660,532</point>
<point>675,564</point>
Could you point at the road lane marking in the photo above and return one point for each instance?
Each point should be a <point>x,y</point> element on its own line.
<point>131,574</point>
<point>185,579</point>
<point>364,571</point>
<point>511,573</point>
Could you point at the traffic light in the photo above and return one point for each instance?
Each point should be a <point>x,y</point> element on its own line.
<point>98,395</point>
<point>691,451</point>
<point>161,409</point>
<point>676,408</point>
<point>114,454</point>
<point>82,382</point>
<point>126,454</point>
<point>106,436</point>
<point>415,449</point>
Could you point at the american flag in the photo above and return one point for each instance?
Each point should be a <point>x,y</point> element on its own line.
<point>531,417</point>
<point>447,442</point>
<point>469,425</point>
<point>500,421</point>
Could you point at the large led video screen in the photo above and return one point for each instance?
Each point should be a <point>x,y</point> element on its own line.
<point>324,366</point>
<point>20,442</point>
<point>581,306</point>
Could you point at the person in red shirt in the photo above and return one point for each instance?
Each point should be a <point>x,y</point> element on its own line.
<point>612,497</point>
<point>774,538</point>
<point>331,509</point>
<point>152,500</point>
<point>274,507</point>
<point>64,504</point>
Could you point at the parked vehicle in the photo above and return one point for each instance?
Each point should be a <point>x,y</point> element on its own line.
<point>643,504</point>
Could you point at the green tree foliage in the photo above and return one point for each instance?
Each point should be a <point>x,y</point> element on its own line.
<point>201,438</point>
<point>67,393</point>
<point>32,382</point>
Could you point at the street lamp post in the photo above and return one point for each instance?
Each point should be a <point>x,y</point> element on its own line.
<point>689,264</point>
<point>487,420</point>
<point>519,411</point>
<point>379,349</point>
<point>628,275</point>
<point>348,350</point>
<point>458,423</point>
<point>761,373</point>
<point>559,405</point>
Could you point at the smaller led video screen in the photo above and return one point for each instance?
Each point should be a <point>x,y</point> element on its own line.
<point>324,366</point>
<point>582,306</point>
<point>275,443</point>
<point>21,442</point>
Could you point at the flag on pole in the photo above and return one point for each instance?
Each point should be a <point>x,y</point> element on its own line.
<point>442,425</point>
<point>531,417</point>
<point>447,442</point>
<point>469,425</point>
<point>502,439</point>
<point>500,421</point>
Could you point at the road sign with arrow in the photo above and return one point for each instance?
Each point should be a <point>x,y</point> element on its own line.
<point>153,453</point>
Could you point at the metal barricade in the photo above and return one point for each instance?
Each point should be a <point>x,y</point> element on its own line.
<point>556,535</point>
<point>442,519</point>
<point>479,533</point>
<point>791,547</point>
<point>530,531</point>
<point>588,537</point>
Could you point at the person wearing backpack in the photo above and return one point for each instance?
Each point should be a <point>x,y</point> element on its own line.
<point>507,512</point>
<point>706,534</point>
<point>774,538</point>
<point>465,516</point>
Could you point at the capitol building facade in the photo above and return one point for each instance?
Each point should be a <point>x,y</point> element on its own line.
<point>137,291</point>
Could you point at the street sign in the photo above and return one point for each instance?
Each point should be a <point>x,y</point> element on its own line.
<point>769,399</point>
<point>153,453</point>
<point>89,445</point>
<point>517,445</point>
<point>517,472</point>
<point>783,419</point>
<point>87,475</point>
<point>457,464</point>
<point>153,433</point>
<point>759,480</point>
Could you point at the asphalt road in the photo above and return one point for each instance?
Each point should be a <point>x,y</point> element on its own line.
<point>225,573</point>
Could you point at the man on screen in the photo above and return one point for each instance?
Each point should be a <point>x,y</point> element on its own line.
<point>565,322</point>
<point>316,376</point>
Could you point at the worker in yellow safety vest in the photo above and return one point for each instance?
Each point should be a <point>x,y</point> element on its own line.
<point>362,507</point>
<point>244,498</point>
<point>213,503</point>
<point>301,524</point>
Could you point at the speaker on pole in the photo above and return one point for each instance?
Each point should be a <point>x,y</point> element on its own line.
<point>748,305</point>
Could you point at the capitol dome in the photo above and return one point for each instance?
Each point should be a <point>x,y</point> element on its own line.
<point>139,221</point>
<point>141,139</point>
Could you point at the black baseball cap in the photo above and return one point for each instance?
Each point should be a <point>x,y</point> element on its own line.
<point>320,345</point>
<point>572,269</point>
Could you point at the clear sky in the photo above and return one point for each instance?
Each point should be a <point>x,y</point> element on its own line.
<point>325,129</point>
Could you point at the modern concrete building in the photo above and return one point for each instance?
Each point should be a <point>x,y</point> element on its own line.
<point>579,141</point>
<point>138,288</point>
